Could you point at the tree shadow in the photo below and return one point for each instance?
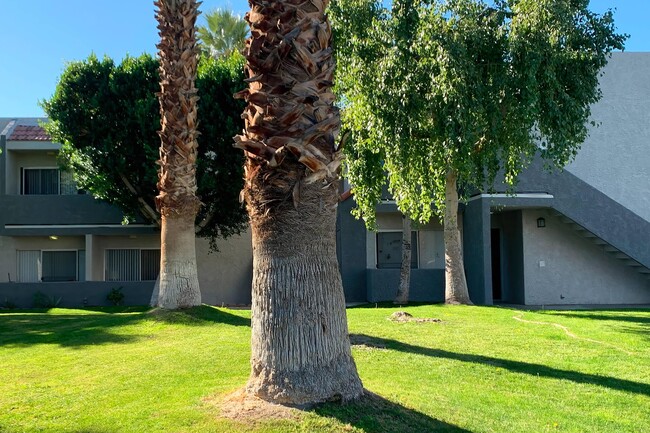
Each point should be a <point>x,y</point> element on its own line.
<point>68,330</point>
<point>75,329</point>
<point>514,366</point>
<point>203,315</point>
<point>375,414</point>
<point>643,320</point>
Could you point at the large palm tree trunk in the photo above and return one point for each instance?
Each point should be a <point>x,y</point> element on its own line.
<point>177,201</point>
<point>455,282</point>
<point>300,345</point>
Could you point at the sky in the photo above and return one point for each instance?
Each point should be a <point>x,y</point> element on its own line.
<point>40,36</point>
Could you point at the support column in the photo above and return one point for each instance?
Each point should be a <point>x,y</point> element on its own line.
<point>476,250</point>
<point>90,270</point>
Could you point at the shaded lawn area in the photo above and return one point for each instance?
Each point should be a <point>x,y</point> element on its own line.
<point>480,369</point>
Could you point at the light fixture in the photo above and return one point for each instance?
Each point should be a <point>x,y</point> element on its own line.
<point>541,222</point>
<point>53,238</point>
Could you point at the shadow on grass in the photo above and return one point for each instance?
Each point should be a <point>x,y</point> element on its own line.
<point>375,414</point>
<point>514,366</point>
<point>68,330</point>
<point>76,329</point>
<point>643,320</point>
<point>199,316</point>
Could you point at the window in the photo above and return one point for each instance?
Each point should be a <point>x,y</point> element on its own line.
<point>51,266</point>
<point>132,265</point>
<point>47,181</point>
<point>389,250</point>
<point>43,181</point>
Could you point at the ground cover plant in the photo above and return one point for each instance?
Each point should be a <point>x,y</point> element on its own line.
<point>476,369</point>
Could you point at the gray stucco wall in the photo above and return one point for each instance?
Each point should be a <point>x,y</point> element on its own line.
<point>476,251</point>
<point>75,295</point>
<point>351,252</point>
<point>225,276</point>
<point>561,267</point>
<point>427,285</point>
<point>615,159</point>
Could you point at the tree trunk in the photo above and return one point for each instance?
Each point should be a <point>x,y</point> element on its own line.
<point>179,282</point>
<point>153,302</point>
<point>455,283</point>
<point>300,344</point>
<point>405,271</point>
<point>177,201</point>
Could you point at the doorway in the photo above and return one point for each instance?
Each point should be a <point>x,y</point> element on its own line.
<point>495,241</point>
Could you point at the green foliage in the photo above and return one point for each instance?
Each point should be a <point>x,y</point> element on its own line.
<point>115,296</point>
<point>107,116</point>
<point>41,300</point>
<point>223,34</point>
<point>469,86</point>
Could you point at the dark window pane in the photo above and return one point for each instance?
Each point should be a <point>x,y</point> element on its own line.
<point>59,266</point>
<point>150,264</point>
<point>42,181</point>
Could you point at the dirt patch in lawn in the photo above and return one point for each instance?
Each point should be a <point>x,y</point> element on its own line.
<point>243,407</point>
<point>403,317</point>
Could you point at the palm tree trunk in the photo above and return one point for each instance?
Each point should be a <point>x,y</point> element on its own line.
<point>405,271</point>
<point>455,283</point>
<point>300,345</point>
<point>177,201</point>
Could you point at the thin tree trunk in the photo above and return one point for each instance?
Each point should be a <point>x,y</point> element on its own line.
<point>455,283</point>
<point>300,344</point>
<point>177,201</point>
<point>405,271</point>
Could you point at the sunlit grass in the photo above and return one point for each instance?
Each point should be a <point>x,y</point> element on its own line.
<point>480,369</point>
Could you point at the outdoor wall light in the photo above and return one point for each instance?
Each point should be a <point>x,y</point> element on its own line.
<point>541,222</point>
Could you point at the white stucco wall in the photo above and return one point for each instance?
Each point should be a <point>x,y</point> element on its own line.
<point>615,158</point>
<point>561,267</point>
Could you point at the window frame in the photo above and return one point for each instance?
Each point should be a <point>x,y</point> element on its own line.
<point>22,178</point>
<point>55,250</point>
<point>417,239</point>
<point>139,263</point>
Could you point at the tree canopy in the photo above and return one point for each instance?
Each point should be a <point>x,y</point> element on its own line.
<point>443,95</point>
<point>223,34</point>
<point>107,117</point>
<point>465,85</point>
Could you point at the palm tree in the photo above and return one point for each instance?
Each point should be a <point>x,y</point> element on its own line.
<point>300,345</point>
<point>224,33</point>
<point>177,201</point>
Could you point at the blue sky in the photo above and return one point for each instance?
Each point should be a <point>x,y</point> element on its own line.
<point>42,35</point>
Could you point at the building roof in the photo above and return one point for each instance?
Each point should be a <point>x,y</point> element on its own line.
<point>29,133</point>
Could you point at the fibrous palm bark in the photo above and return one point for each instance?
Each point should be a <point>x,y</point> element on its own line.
<point>300,345</point>
<point>177,201</point>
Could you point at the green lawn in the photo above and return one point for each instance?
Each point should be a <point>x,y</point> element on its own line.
<point>479,370</point>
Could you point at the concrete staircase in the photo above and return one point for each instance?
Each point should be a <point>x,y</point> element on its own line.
<point>611,250</point>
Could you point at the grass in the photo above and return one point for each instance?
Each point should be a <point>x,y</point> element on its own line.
<point>479,370</point>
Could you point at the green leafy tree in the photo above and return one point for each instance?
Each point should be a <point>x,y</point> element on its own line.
<point>107,116</point>
<point>223,34</point>
<point>443,95</point>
